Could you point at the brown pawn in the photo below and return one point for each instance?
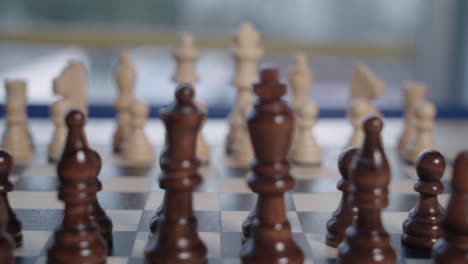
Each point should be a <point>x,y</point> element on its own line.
<point>270,239</point>
<point>78,239</point>
<point>176,238</point>
<point>76,139</point>
<point>342,218</point>
<point>422,227</point>
<point>14,226</point>
<point>7,245</point>
<point>366,240</point>
<point>453,247</point>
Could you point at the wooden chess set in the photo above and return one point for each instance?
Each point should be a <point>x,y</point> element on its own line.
<point>265,189</point>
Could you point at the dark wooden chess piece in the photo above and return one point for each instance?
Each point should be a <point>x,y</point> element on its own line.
<point>78,238</point>
<point>176,239</point>
<point>7,244</point>
<point>14,226</point>
<point>366,240</point>
<point>270,126</point>
<point>343,216</point>
<point>453,246</point>
<point>422,228</point>
<point>76,139</point>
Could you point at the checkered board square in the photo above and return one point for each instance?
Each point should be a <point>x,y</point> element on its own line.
<point>222,202</point>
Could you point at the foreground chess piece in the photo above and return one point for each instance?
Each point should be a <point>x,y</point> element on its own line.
<point>453,247</point>
<point>247,53</point>
<point>422,227</point>
<point>78,239</point>
<point>71,84</point>
<point>305,149</point>
<point>358,110</point>
<point>17,138</point>
<point>366,239</point>
<point>343,216</point>
<point>137,150</point>
<point>58,111</point>
<point>14,226</point>
<point>7,245</point>
<point>270,121</point>
<point>76,140</point>
<point>125,77</point>
<point>186,56</point>
<point>425,113</point>
<point>176,239</point>
<point>413,92</point>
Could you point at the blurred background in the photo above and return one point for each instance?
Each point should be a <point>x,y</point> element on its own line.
<point>399,40</point>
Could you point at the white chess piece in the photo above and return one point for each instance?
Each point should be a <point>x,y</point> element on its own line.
<point>137,150</point>
<point>301,79</point>
<point>425,113</point>
<point>364,84</point>
<point>125,77</point>
<point>242,151</point>
<point>246,55</point>
<point>71,84</point>
<point>305,150</point>
<point>58,111</point>
<point>358,110</point>
<point>17,138</point>
<point>186,55</point>
<point>413,92</point>
<point>203,152</point>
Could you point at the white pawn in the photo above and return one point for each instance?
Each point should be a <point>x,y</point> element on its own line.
<point>305,150</point>
<point>137,150</point>
<point>17,138</point>
<point>301,79</point>
<point>413,92</point>
<point>242,151</point>
<point>58,111</point>
<point>358,110</point>
<point>186,55</point>
<point>203,152</point>
<point>425,113</point>
<point>125,79</point>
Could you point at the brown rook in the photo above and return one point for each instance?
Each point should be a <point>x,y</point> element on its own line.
<point>176,239</point>
<point>270,126</point>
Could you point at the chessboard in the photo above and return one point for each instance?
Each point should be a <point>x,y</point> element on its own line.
<point>222,202</point>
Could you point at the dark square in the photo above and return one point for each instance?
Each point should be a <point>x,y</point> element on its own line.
<point>25,260</point>
<point>301,241</point>
<point>315,186</point>
<point>114,170</point>
<point>313,222</point>
<point>122,201</point>
<point>208,221</point>
<point>123,243</point>
<point>247,201</point>
<point>401,202</point>
<point>39,219</point>
<point>231,244</point>
<point>233,172</point>
<point>36,184</point>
